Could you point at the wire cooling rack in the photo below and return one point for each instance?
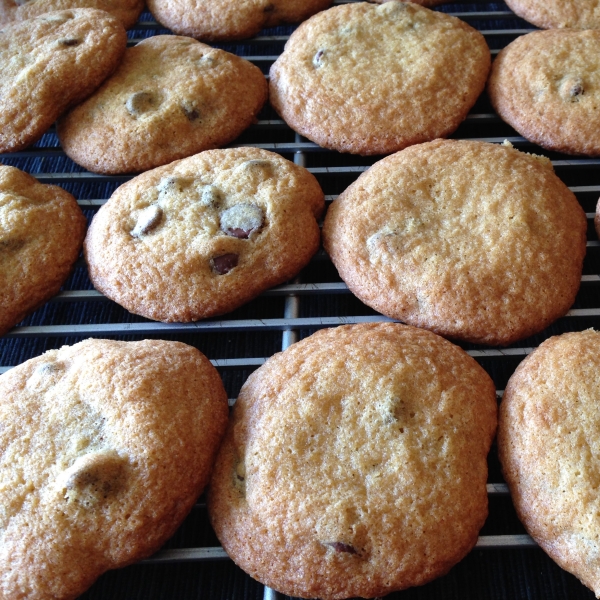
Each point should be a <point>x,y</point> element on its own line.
<point>506,563</point>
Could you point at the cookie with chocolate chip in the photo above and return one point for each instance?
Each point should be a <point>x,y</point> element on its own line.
<point>203,235</point>
<point>104,448</point>
<point>372,79</point>
<point>548,444</point>
<point>41,233</point>
<point>355,463</point>
<point>127,11</point>
<point>546,85</point>
<point>171,97</point>
<point>475,241</point>
<point>552,14</point>
<point>49,63</point>
<point>214,20</point>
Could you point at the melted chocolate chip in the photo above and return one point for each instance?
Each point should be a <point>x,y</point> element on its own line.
<point>141,102</point>
<point>318,58</point>
<point>147,220</point>
<point>224,263</point>
<point>341,547</point>
<point>190,111</point>
<point>69,42</point>
<point>241,220</point>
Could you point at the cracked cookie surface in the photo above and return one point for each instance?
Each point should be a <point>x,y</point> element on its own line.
<point>171,97</point>
<point>546,85</point>
<point>105,447</point>
<point>41,234</point>
<point>50,63</point>
<point>203,235</point>
<point>372,79</point>
<point>355,463</point>
<point>475,241</point>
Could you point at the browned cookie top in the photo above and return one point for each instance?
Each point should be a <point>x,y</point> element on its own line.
<point>203,235</point>
<point>41,233</point>
<point>475,241</point>
<point>214,20</point>
<point>372,79</point>
<point>549,443</point>
<point>104,449</point>
<point>355,463</point>
<point>550,14</point>
<point>546,85</point>
<point>49,63</point>
<point>171,97</point>
<point>127,11</point>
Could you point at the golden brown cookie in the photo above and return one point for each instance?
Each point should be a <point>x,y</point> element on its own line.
<point>546,85</point>
<point>41,233</point>
<point>170,98</point>
<point>105,447</point>
<point>355,463</point>
<point>372,79</point>
<point>474,241</point>
<point>551,14</point>
<point>203,235</point>
<point>549,443</point>
<point>214,20</point>
<point>50,63</point>
<point>127,11</point>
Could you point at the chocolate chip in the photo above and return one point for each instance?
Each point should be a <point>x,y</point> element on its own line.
<point>69,42</point>
<point>190,110</point>
<point>92,478</point>
<point>269,8</point>
<point>318,58</point>
<point>224,263</point>
<point>141,102</point>
<point>241,220</point>
<point>211,196</point>
<point>340,547</point>
<point>571,88</point>
<point>147,220</point>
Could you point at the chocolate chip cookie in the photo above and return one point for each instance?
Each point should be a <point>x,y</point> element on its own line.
<point>548,442</point>
<point>127,11</point>
<point>546,85</point>
<point>355,463</point>
<point>475,241</point>
<point>372,79</point>
<point>170,98</point>
<point>214,20</point>
<point>41,233</point>
<point>50,63</point>
<point>551,14</point>
<point>203,235</point>
<point>105,447</point>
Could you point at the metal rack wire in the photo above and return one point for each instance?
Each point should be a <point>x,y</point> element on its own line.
<point>239,342</point>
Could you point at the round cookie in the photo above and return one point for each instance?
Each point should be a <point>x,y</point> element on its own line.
<point>551,14</point>
<point>372,79</point>
<point>203,235</point>
<point>170,98</point>
<point>41,233</point>
<point>355,463</point>
<point>546,85</point>
<point>50,63</point>
<point>474,241</point>
<point>219,20</point>
<point>548,442</point>
<point>105,448</point>
<point>127,11</point>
